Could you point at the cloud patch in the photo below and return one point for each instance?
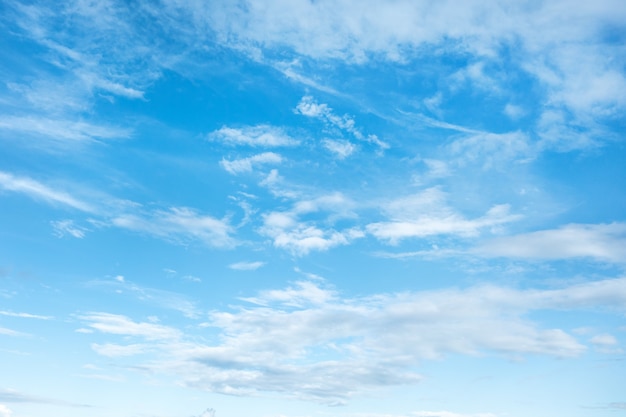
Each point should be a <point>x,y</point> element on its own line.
<point>243,165</point>
<point>254,136</point>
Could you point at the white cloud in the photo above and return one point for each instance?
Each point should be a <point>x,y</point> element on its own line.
<point>341,148</point>
<point>427,214</point>
<point>239,166</point>
<point>602,242</point>
<point>9,332</point>
<point>308,106</point>
<point>39,191</point>
<point>25,315</point>
<point>260,135</point>
<point>513,111</point>
<point>493,150</point>
<point>301,237</point>
<point>5,411</point>
<point>307,226</point>
<point>179,223</point>
<point>306,341</point>
<point>559,35</point>
<point>161,298</point>
<point>67,227</point>
<point>246,266</point>
<point>301,294</point>
<point>604,340</point>
<point>176,224</point>
<point>121,325</point>
<point>62,130</point>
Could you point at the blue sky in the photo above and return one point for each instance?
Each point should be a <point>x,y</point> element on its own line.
<point>312,208</point>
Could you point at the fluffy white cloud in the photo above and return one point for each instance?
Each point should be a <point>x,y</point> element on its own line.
<point>603,242</point>
<point>5,411</point>
<point>560,42</point>
<point>260,135</point>
<point>288,231</point>
<point>239,166</point>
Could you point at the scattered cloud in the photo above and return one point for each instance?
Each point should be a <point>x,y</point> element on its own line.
<point>255,136</point>
<point>5,411</point>
<point>9,332</point>
<point>309,107</point>
<point>246,266</point>
<point>122,325</point>
<point>493,150</point>
<point>513,111</point>
<point>25,315</point>
<point>340,148</point>
<point>62,130</point>
<point>239,166</point>
<point>66,227</point>
<point>39,191</point>
<point>308,225</point>
<point>179,224</point>
<point>604,340</point>
<point>602,242</point>
<point>427,214</point>
<point>162,298</point>
<point>306,341</point>
<point>116,351</point>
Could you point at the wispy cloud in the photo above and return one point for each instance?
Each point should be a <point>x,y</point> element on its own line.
<point>602,242</point>
<point>256,136</point>
<point>341,148</point>
<point>122,325</point>
<point>239,166</point>
<point>246,265</point>
<point>115,351</point>
<point>309,107</point>
<point>67,227</point>
<point>179,224</point>
<point>14,396</point>
<point>162,298</point>
<point>8,332</point>
<point>25,315</point>
<point>37,190</point>
<point>427,214</point>
<point>62,130</point>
